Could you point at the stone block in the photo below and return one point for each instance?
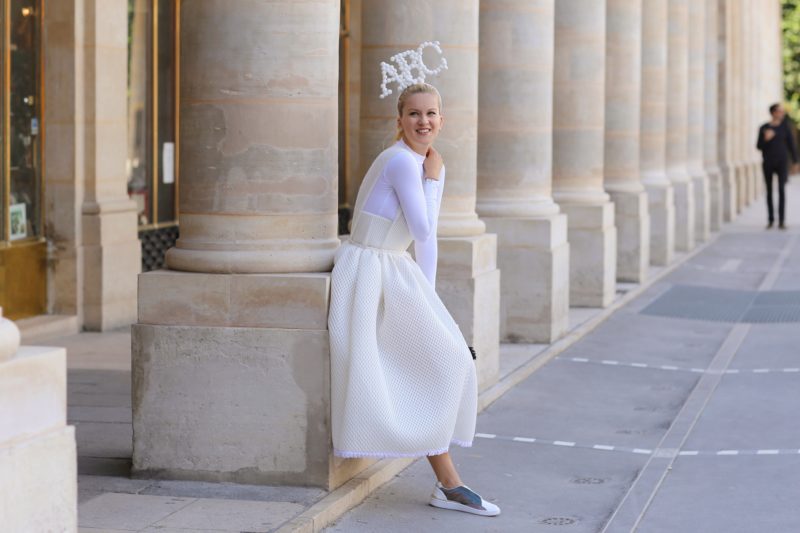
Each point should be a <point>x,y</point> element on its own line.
<point>33,388</point>
<point>37,449</point>
<point>593,254</point>
<point>245,405</point>
<point>467,257</point>
<point>168,297</point>
<point>729,193</point>
<point>533,256</point>
<point>44,493</point>
<point>475,306</point>
<point>715,199</point>
<point>661,206</point>
<point>702,208</point>
<point>632,219</point>
<point>684,216</point>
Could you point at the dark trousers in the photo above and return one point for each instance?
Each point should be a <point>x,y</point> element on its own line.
<point>781,168</point>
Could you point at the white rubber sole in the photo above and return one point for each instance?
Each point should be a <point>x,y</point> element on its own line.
<point>491,509</point>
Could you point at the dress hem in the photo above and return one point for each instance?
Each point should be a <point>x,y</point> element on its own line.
<point>347,454</point>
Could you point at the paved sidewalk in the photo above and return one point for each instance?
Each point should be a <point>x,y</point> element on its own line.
<point>675,416</point>
<point>638,384</point>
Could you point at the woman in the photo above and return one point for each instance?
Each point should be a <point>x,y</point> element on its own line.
<point>403,383</point>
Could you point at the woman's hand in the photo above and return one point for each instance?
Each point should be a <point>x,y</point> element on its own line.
<point>433,164</point>
<point>769,134</point>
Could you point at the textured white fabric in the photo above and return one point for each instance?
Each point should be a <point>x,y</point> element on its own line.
<point>401,185</point>
<point>403,382</point>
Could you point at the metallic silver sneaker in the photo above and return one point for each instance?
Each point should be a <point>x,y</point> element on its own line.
<point>462,498</point>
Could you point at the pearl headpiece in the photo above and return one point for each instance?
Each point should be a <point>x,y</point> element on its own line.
<point>407,62</point>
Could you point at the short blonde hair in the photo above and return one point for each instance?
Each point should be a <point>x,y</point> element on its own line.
<point>416,88</point>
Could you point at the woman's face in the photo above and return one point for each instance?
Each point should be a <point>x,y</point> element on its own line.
<point>421,121</point>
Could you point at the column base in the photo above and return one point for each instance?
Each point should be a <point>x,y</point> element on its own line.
<point>632,219</point>
<point>593,254</point>
<point>468,283</point>
<point>111,262</point>
<point>715,199</point>
<point>533,256</point>
<point>702,208</point>
<point>37,448</point>
<point>231,380</point>
<point>729,192</point>
<point>684,216</point>
<point>661,205</point>
<point>742,180</point>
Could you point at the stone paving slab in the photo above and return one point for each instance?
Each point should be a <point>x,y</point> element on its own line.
<point>743,494</point>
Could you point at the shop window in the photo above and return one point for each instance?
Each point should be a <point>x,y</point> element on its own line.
<point>152,162</point>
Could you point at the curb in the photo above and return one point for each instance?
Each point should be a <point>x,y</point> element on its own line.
<point>337,503</point>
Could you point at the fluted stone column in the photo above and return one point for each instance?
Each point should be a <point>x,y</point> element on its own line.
<point>515,117</point>
<point>231,372</point>
<point>468,280</point>
<point>726,116</point>
<point>678,123</point>
<point>695,139</point>
<point>660,193</point>
<point>578,150</point>
<point>711,115</point>
<point>622,173</point>
<point>38,463</point>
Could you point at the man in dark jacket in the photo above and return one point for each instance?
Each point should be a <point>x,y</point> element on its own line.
<point>776,143</point>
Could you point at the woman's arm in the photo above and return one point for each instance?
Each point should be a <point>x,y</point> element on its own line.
<point>427,251</point>
<point>419,202</point>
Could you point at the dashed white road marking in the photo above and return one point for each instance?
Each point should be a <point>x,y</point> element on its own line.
<point>673,368</point>
<point>658,452</point>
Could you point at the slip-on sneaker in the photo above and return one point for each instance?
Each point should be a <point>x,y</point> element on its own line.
<point>462,498</point>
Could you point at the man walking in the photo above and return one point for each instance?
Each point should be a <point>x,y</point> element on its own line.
<point>776,142</point>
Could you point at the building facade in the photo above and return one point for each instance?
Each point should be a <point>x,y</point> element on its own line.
<point>585,140</point>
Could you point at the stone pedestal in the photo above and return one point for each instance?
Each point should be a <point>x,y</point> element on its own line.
<point>231,380</point>
<point>730,193</point>
<point>632,219</point>
<point>702,207</point>
<point>684,215</point>
<point>534,254</point>
<point>469,285</point>
<point>661,200</point>
<point>593,255</point>
<point>38,463</point>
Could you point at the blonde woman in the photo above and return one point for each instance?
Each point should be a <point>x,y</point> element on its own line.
<point>403,381</point>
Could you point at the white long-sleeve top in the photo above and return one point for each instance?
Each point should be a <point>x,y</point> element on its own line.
<point>403,186</point>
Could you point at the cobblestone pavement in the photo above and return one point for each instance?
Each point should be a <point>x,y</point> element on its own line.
<point>677,415</point>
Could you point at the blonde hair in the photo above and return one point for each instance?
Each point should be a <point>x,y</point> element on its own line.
<point>417,88</point>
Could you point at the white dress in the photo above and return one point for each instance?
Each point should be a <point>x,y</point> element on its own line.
<point>403,381</point>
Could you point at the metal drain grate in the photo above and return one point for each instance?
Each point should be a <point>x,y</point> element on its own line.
<point>558,521</point>
<point>588,481</point>
<point>727,305</point>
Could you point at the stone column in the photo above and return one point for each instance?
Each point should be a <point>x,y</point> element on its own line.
<point>468,280</point>
<point>739,146</point>
<point>696,137</point>
<point>726,122</point>
<point>622,172</point>
<point>231,371</point>
<point>653,146</point>
<point>38,461</point>
<point>111,249</point>
<point>515,118</point>
<point>578,150</point>
<point>90,218</point>
<point>711,115</point>
<point>678,123</point>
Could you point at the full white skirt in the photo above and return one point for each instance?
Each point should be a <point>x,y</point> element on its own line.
<point>403,382</point>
